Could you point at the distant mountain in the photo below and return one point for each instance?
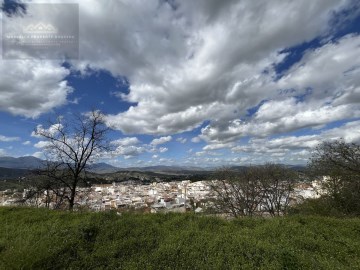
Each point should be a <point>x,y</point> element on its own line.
<point>28,162</point>
<point>165,169</point>
<point>102,168</point>
<point>107,168</point>
<point>238,168</point>
<point>297,167</point>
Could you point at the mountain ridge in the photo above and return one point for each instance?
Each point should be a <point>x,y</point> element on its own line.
<point>26,162</point>
<point>31,163</point>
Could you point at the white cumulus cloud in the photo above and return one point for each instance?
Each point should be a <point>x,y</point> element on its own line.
<point>32,87</point>
<point>161,140</point>
<point>8,139</point>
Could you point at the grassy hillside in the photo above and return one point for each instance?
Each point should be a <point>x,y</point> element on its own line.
<point>42,239</point>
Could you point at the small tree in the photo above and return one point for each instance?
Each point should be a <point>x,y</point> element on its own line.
<point>70,146</point>
<point>337,165</point>
<point>277,183</point>
<point>38,186</point>
<point>254,190</point>
<point>238,193</point>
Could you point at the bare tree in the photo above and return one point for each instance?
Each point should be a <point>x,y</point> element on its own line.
<point>238,193</point>
<point>277,184</point>
<point>69,147</point>
<point>254,190</point>
<point>38,186</point>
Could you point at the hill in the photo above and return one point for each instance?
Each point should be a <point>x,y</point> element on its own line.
<point>28,162</point>
<point>6,173</point>
<point>45,239</point>
<point>140,177</point>
<point>102,168</point>
<point>166,169</point>
<point>13,178</point>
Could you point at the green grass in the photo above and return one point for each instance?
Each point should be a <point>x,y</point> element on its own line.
<point>44,239</point>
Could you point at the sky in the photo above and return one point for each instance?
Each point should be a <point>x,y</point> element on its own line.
<point>203,83</point>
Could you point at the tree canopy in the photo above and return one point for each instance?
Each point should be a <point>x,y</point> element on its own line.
<point>337,165</point>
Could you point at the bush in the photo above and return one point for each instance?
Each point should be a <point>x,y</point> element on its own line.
<point>323,206</point>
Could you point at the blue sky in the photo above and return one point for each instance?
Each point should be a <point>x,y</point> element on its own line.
<point>209,83</point>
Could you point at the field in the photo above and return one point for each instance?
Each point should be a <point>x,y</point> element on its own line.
<point>45,239</point>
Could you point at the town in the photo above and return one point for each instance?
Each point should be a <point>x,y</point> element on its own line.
<point>179,196</point>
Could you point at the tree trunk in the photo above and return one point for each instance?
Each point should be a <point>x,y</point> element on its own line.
<point>72,199</point>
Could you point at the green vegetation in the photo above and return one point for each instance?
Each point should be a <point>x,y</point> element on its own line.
<point>339,162</point>
<point>13,184</point>
<point>45,239</point>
